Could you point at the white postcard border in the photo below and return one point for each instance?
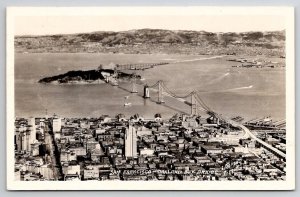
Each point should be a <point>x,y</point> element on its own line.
<point>288,184</point>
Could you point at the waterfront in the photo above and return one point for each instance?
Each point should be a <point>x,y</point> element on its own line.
<point>226,90</point>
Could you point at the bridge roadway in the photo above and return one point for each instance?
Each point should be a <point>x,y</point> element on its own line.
<point>267,146</point>
<point>140,66</point>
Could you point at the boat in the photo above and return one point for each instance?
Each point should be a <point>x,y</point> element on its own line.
<point>126,103</point>
<point>114,83</point>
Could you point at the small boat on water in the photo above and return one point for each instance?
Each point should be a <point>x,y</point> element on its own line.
<point>125,101</point>
<point>114,83</point>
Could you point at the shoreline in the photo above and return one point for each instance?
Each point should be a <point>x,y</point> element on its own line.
<point>101,53</point>
<point>74,83</point>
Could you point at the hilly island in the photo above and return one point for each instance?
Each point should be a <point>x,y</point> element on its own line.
<point>87,77</point>
<point>157,41</point>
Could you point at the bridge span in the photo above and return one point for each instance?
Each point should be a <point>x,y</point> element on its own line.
<point>196,104</point>
<point>140,66</point>
<point>193,100</point>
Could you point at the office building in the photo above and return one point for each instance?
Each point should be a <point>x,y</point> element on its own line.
<point>131,142</point>
<point>56,124</point>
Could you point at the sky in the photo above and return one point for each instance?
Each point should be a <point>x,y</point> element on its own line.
<point>46,25</point>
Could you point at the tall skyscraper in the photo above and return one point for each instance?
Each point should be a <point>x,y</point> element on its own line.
<point>24,140</point>
<point>130,142</point>
<point>56,124</point>
<point>28,148</point>
<point>32,130</point>
<point>21,137</point>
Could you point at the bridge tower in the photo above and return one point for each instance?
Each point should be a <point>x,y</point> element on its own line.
<point>116,71</point>
<point>133,88</point>
<point>133,84</point>
<point>218,121</point>
<point>194,110</point>
<point>160,93</point>
<point>146,91</point>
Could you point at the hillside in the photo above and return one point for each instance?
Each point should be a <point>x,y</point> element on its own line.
<point>157,41</point>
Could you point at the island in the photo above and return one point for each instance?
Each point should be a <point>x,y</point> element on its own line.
<point>90,77</point>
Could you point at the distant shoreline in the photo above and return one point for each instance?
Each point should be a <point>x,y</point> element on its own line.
<point>152,41</point>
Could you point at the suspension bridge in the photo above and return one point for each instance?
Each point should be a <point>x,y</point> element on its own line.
<point>196,104</point>
<point>192,99</point>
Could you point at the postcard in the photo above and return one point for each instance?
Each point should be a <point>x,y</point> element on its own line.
<point>150,98</point>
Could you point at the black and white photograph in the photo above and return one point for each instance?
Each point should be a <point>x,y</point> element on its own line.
<point>143,98</point>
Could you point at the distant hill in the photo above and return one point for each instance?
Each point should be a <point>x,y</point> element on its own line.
<point>157,41</point>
